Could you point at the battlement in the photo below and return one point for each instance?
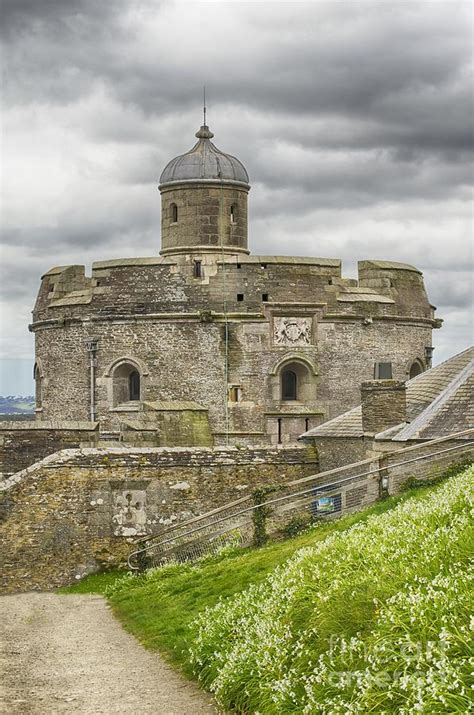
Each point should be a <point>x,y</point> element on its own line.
<point>189,284</point>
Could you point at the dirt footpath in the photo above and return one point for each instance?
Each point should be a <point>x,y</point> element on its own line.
<point>63,654</point>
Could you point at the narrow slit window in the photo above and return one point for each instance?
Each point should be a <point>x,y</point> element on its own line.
<point>234,393</point>
<point>288,385</point>
<point>197,269</point>
<point>233,214</point>
<point>280,431</point>
<point>174,213</point>
<point>134,385</point>
<point>38,387</point>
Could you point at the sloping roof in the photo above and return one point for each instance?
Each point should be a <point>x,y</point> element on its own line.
<point>440,401</point>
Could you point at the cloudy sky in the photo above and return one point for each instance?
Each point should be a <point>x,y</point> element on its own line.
<point>354,120</point>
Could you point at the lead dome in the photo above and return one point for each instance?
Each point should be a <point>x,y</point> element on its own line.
<point>204,162</point>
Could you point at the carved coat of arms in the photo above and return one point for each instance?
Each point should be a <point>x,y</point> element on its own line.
<point>292,331</point>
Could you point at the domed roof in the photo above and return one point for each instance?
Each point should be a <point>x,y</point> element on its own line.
<point>204,162</point>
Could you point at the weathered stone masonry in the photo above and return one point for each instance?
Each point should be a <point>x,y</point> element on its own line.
<point>78,510</point>
<point>208,323</point>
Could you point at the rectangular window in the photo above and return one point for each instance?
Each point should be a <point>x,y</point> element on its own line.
<point>265,297</point>
<point>197,270</point>
<point>263,265</point>
<point>239,265</point>
<point>234,393</point>
<point>383,371</point>
<point>240,297</point>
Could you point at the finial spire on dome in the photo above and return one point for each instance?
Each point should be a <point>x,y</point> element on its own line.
<point>204,132</point>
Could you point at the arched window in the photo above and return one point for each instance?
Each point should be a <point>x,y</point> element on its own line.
<point>174,213</point>
<point>416,369</point>
<point>134,385</point>
<point>38,386</point>
<point>289,385</point>
<point>233,214</point>
<point>126,381</point>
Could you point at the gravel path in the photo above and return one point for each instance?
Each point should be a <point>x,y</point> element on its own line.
<point>63,654</point>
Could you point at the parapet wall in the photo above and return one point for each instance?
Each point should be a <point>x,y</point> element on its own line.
<point>78,510</point>
<point>24,443</point>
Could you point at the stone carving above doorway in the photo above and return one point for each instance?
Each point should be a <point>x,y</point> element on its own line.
<point>292,331</point>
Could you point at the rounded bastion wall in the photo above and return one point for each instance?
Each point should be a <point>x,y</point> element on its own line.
<point>156,318</point>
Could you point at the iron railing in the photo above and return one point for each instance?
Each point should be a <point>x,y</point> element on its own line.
<point>318,496</point>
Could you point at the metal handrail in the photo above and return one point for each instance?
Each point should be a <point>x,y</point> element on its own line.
<point>229,505</point>
<point>159,542</point>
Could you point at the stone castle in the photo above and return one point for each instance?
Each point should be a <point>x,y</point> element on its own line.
<point>172,385</point>
<point>209,345</point>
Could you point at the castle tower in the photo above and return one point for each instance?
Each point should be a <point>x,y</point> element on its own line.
<point>204,201</point>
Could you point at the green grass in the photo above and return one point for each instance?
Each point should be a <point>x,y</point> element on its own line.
<point>159,611</point>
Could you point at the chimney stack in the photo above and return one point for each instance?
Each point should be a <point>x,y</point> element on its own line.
<point>384,404</point>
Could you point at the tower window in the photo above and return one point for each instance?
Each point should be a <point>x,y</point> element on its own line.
<point>239,265</point>
<point>383,371</point>
<point>234,393</point>
<point>38,387</point>
<point>416,369</point>
<point>174,213</point>
<point>265,297</point>
<point>197,269</point>
<point>263,265</point>
<point>240,297</point>
<point>134,385</point>
<point>233,214</point>
<point>288,385</point>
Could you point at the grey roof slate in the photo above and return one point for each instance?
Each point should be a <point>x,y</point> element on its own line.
<point>440,402</point>
<point>204,162</point>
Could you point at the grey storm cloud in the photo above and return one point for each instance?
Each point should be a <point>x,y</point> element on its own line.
<point>353,119</point>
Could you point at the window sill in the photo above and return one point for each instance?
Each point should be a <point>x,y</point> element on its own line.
<point>134,406</point>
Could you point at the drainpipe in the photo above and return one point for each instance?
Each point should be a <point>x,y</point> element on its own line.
<point>91,347</point>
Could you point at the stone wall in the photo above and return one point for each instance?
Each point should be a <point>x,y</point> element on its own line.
<point>171,327</point>
<point>335,452</point>
<point>23,444</point>
<point>78,511</point>
<point>204,217</point>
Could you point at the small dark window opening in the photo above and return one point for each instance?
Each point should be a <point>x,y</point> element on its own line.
<point>306,424</point>
<point>234,393</point>
<point>240,297</point>
<point>197,270</point>
<point>279,430</point>
<point>383,371</point>
<point>239,265</point>
<point>415,370</point>
<point>233,214</point>
<point>288,385</point>
<point>134,385</point>
<point>330,282</point>
<point>38,387</point>
<point>263,265</point>
<point>265,297</point>
<point>174,213</point>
